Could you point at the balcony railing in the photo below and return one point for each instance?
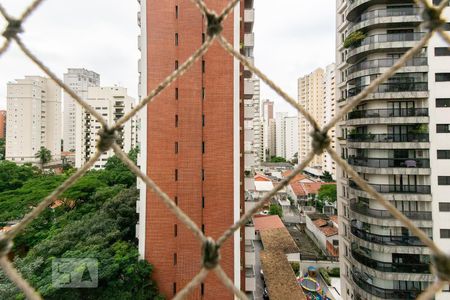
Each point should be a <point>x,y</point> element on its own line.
<point>392,240</point>
<point>420,268</point>
<point>384,293</point>
<point>388,138</point>
<point>392,88</point>
<point>401,189</point>
<point>391,12</point>
<point>386,63</point>
<point>389,162</point>
<point>388,113</point>
<point>391,37</point>
<point>363,209</point>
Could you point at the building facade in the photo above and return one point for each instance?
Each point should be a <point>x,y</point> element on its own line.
<point>111,103</point>
<point>79,80</point>
<point>192,142</point>
<point>2,124</point>
<point>268,136</point>
<point>329,110</point>
<point>253,134</point>
<point>34,119</point>
<point>280,134</point>
<point>310,96</point>
<point>398,140</point>
<point>291,138</point>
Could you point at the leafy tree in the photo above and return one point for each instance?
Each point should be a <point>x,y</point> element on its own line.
<point>275,209</point>
<point>327,192</point>
<point>118,172</point>
<point>13,176</point>
<point>2,149</point>
<point>327,177</point>
<point>44,155</point>
<point>104,234</point>
<point>277,159</point>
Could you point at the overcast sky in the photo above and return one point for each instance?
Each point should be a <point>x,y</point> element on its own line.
<point>292,38</point>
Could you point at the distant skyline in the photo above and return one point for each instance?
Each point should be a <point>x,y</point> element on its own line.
<point>290,39</point>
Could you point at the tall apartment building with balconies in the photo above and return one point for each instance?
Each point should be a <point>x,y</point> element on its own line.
<point>192,143</point>
<point>111,103</point>
<point>79,80</point>
<point>34,119</point>
<point>398,140</point>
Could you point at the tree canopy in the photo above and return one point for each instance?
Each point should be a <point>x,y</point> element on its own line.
<point>275,209</point>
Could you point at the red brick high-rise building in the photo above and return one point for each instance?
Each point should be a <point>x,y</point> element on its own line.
<point>2,124</point>
<point>191,143</point>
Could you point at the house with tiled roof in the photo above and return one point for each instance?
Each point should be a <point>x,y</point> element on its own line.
<point>324,231</point>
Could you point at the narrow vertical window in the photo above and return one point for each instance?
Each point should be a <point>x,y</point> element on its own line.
<point>174,288</point>
<point>203,66</point>
<point>202,287</point>
<point>176,65</point>
<point>175,230</point>
<point>203,228</point>
<point>203,174</point>
<point>174,259</point>
<point>203,120</point>
<point>176,39</point>
<point>203,147</point>
<point>203,38</point>
<point>203,93</point>
<point>176,93</point>
<point>176,200</point>
<point>176,120</point>
<point>203,202</point>
<point>176,147</point>
<point>176,11</point>
<point>176,174</point>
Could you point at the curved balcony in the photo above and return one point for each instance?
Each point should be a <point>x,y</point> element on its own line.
<point>384,214</point>
<point>385,63</point>
<point>395,17</point>
<point>389,240</point>
<point>388,138</point>
<point>400,189</point>
<point>381,292</point>
<point>420,268</point>
<point>389,162</point>
<point>383,43</point>
<point>357,7</point>
<point>392,88</point>
<point>388,113</point>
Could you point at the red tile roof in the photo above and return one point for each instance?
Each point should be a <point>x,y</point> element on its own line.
<point>326,229</point>
<point>267,222</point>
<point>334,219</point>
<point>259,177</point>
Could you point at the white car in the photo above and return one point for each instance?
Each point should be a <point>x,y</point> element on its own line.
<point>264,212</point>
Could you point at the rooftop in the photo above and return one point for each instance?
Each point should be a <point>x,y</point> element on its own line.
<point>278,239</point>
<point>267,222</point>
<point>279,277</point>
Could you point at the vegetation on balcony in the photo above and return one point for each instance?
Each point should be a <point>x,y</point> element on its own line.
<point>354,39</point>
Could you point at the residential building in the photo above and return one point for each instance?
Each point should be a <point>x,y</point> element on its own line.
<point>398,140</point>
<point>323,230</point>
<point>268,129</point>
<point>329,110</point>
<point>280,134</point>
<point>291,139</point>
<point>79,80</point>
<point>34,119</point>
<point>192,142</point>
<point>2,124</point>
<point>310,96</point>
<point>111,103</point>
<point>253,135</point>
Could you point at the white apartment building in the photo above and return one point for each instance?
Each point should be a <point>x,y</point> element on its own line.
<point>291,138</point>
<point>34,119</point>
<point>253,127</point>
<point>329,102</point>
<point>268,136</point>
<point>311,97</point>
<point>398,140</point>
<point>79,80</point>
<point>111,103</point>
<point>280,134</point>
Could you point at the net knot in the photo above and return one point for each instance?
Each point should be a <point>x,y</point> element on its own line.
<point>210,254</point>
<point>107,138</point>
<point>214,25</point>
<point>5,245</point>
<point>432,17</point>
<point>14,27</point>
<point>320,142</point>
<point>441,265</point>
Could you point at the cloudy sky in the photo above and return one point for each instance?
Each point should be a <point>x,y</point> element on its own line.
<point>292,39</point>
